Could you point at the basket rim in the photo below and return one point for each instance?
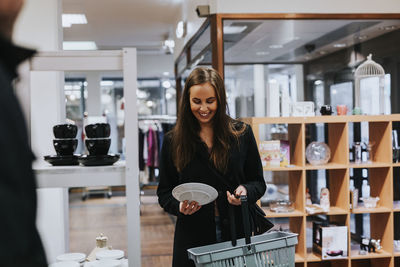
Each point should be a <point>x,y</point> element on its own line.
<point>288,235</point>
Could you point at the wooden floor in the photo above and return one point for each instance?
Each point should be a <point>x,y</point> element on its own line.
<point>101,215</point>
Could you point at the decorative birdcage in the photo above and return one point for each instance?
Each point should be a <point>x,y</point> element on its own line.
<point>370,69</point>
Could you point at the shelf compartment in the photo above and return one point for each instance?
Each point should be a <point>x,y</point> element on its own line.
<point>298,258</point>
<point>380,182</point>
<point>79,176</point>
<point>381,133</point>
<point>372,262</point>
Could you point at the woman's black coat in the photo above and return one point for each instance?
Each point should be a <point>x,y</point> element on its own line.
<point>198,229</point>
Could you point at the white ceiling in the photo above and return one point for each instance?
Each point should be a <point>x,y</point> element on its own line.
<point>114,24</point>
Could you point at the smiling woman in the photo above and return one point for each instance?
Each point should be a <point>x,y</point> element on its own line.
<point>207,146</point>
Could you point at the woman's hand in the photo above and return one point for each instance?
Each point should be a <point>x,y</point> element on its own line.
<point>234,199</point>
<point>188,208</point>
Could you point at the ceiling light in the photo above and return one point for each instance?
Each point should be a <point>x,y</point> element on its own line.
<point>69,19</point>
<point>275,46</point>
<point>180,29</point>
<point>107,83</point>
<point>169,43</point>
<point>362,37</point>
<point>262,53</point>
<point>339,45</point>
<point>234,29</point>
<point>149,103</point>
<point>318,82</point>
<point>165,73</point>
<point>387,28</point>
<point>79,45</point>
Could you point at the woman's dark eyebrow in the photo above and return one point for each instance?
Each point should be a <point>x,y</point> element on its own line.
<point>213,97</point>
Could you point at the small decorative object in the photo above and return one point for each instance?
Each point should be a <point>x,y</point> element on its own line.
<point>303,109</point>
<point>101,244</point>
<point>370,155</point>
<point>280,206</point>
<point>370,245</point>
<point>357,111</point>
<point>285,153</point>
<point>367,70</point>
<point>370,202</point>
<point>357,152</point>
<point>341,109</point>
<point>308,197</point>
<point>324,199</point>
<point>326,110</point>
<point>318,153</point>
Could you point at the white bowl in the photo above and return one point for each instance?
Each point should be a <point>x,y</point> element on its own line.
<point>112,254</point>
<point>370,202</point>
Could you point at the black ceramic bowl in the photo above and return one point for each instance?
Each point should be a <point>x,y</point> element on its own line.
<point>65,131</point>
<point>65,147</point>
<point>97,130</point>
<point>98,146</point>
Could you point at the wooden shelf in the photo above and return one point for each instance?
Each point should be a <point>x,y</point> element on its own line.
<point>298,258</point>
<point>313,257</point>
<point>380,180</point>
<point>326,166</point>
<point>396,253</point>
<point>271,214</point>
<point>369,165</point>
<point>332,211</point>
<point>370,210</point>
<point>277,169</point>
<point>370,255</point>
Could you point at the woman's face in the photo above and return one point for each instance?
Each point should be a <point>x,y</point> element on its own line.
<point>203,102</point>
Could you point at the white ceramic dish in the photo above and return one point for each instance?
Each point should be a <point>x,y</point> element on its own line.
<point>111,254</point>
<point>370,202</point>
<point>123,263</point>
<point>77,257</point>
<point>201,193</point>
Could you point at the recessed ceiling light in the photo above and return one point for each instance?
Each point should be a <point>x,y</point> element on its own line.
<point>79,45</point>
<point>339,45</point>
<point>275,46</point>
<point>262,53</point>
<point>362,37</point>
<point>388,28</point>
<point>234,29</point>
<point>180,29</point>
<point>69,19</point>
<point>166,84</point>
<point>318,82</point>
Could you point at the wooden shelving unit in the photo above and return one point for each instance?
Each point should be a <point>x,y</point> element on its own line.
<point>380,180</point>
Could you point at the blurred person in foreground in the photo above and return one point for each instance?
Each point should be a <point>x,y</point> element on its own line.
<point>20,242</point>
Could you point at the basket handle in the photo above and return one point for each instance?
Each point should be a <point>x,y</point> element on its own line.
<point>246,218</point>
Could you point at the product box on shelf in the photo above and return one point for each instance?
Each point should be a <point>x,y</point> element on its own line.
<point>330,240</point>
<point>285,153</point>
<point>270,153</point>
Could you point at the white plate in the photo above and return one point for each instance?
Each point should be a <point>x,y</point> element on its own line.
<point>65,264</point>
<point>201,193</point>
<point>112,254</point>
<point>104,263</point>
<point>123,263</point>
<point>78,257</point>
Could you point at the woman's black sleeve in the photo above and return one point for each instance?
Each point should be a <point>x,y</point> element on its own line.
<point>168,180</point>
<point>253,170</point>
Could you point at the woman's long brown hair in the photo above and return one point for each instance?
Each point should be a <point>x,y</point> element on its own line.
<point>186,132</point>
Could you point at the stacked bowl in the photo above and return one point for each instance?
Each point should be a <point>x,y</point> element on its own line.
<point>98,142</point>
<point>65,144</point>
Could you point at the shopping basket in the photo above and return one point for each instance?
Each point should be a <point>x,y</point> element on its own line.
<point>269,249</point>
